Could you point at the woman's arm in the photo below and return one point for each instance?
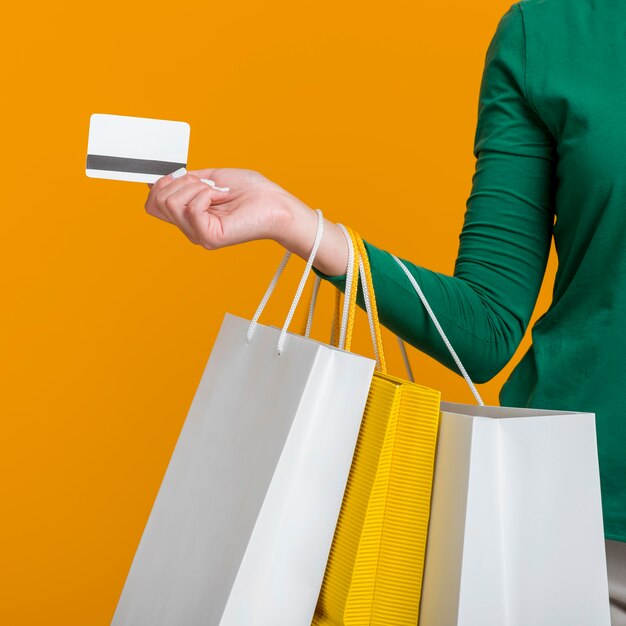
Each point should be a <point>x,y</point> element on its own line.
<point>485,306</point>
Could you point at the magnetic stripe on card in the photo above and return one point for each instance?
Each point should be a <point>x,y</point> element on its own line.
<point>126,164</point>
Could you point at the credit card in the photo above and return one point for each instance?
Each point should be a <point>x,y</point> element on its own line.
<point>137,149</point>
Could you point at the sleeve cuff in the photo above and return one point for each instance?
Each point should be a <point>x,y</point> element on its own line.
<point>341,278</point>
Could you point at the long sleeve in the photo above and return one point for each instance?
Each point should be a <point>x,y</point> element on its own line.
<point>504,245</point>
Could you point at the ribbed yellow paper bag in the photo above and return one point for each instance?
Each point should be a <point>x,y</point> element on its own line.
<point>374,571</point>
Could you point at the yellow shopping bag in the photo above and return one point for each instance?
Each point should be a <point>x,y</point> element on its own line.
<point>374,571</point>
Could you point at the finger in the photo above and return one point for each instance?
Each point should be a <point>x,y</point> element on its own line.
<point>211,183</point>
<point>158,206</point>
<point>216,177</point>
<point>151,205</point>
<point>205,224</point>
<point>176,207</point>
<point>217,197</point>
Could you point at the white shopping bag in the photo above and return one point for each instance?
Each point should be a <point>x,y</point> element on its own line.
<point>516,535</point>
<point>241,528</point>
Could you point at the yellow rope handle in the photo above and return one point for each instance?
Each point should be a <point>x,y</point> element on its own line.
<point>353,292</point>
<point>374,323</point>
<point>361,253</point>
<point>372,295</point>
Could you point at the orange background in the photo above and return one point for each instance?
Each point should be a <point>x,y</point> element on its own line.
<point>108,316</point>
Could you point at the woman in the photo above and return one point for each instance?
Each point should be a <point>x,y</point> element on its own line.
<point>550,146</point>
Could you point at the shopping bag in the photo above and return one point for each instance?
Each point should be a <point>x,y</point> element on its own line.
<point>374,571</point>
<point>516,532</point>
<point>241,528</point>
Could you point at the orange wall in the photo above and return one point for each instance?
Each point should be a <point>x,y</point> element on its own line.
<point>109,315</point>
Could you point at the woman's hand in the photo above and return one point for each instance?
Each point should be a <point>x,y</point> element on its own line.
<point>253,208</point>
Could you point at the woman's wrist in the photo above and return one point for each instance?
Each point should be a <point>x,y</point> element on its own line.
<point>296,232</point>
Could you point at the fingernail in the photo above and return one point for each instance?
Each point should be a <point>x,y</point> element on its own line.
<point>178,173</point>
<point>210,182</point>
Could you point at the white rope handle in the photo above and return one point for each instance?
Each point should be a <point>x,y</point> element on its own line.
<point>272,285</point>
<point>305,275</point>
<point>347,291</point>
<point>351,283</point>
<point>266,297</point>
<point>309,319</point>
<point>440,330</point>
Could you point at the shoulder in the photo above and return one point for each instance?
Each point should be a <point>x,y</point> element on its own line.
<point>547,6</point>
<point>545,15</point>
<point>556,36</point>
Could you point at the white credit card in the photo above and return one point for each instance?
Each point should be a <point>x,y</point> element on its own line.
<point>138,149</point>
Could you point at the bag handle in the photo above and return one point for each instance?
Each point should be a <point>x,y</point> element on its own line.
<point>281,340</point>
<point>369,287</point>
<point>405,356</point>
<point>338,330</point>
<point>341,335</point>
<point>349,309</point>
<point>369,298</point>
<point>433,317</point>
<point>355,240</point>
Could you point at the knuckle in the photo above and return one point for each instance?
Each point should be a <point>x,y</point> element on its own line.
<point>199,203</point>
<point>193,207</point>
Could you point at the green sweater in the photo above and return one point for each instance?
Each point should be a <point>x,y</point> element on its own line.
<point>550,145</point>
